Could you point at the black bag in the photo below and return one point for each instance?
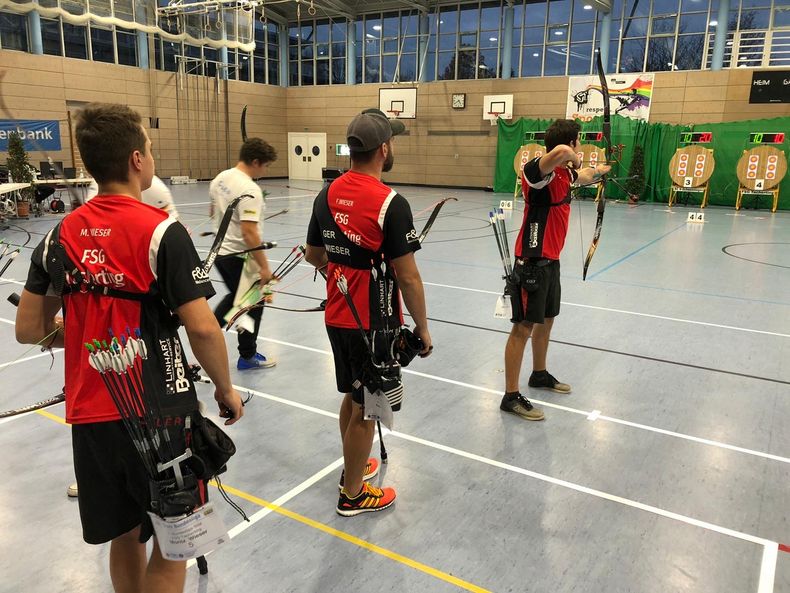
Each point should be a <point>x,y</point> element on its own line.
<point>529,276</point>
<point>211,448</point>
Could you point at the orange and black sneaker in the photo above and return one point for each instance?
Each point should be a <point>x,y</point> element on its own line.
<point>370,499</point>
<point>371,471</point>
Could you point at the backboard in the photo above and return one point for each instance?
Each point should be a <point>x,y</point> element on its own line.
<point>398,103</point>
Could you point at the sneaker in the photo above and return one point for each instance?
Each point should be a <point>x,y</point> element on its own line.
<point>544,380</point>
<point>371,499</point>
<point>520,406</point>
<point>259,361</point>
<point>371,471</point>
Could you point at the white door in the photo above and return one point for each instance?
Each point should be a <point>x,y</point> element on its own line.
<point>306,155</point>
<point>298,166</point>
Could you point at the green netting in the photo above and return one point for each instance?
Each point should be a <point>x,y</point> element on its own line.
<point>660,142</point>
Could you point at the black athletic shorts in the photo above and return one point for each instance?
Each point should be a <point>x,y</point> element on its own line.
<point>350,354</point>
<point>112,482</point>
<point>544,302</point>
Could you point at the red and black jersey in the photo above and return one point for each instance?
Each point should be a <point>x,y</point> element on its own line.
<point>546,212</point>
<point>359,220</point>
<point>126,246</point>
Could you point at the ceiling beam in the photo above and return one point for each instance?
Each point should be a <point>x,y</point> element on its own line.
<point>340,7</point>
<point>418,4</point>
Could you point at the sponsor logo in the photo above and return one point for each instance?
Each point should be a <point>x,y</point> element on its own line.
<point>533,234</point>
<point>199,275</point>
<point>175,374</point>
<point>101,278</point>
<point>353,237</point>
<point>412,236</point>
<point>250,211</point>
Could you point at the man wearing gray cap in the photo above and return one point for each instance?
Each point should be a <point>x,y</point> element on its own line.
<point>363,231</point>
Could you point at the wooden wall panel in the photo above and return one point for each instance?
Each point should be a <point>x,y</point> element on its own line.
<point>39,87</point>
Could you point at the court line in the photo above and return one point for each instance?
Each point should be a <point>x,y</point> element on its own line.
<point>584,413</point>
<point>770,547</point>
<point>276,507</point>
<point>366,545</point>
<point>633,253</point>
<point>18,360</point>
<point>625,312</point>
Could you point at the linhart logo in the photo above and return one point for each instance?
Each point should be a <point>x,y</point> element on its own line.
<point>200,275</point>
<point>533,234</point>
<point>175,374</point>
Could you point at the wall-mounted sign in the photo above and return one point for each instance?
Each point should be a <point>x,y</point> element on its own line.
<point>770,86</point>
<point>36,135</point>
<point>629,96</point>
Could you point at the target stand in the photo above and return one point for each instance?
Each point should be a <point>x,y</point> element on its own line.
<point>590,156</point>
<point>690,169</point>
<point>526,153</point>
<point>760,171</point>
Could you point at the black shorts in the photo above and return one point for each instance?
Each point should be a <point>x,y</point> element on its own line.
<point>544,302</point>
<point>350,354</point>
<point>112,482</point>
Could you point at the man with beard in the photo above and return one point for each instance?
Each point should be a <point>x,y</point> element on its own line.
<point>357,222</point>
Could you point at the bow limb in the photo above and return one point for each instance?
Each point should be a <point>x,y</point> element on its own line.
<point>244,124</point>
<point>221,232</point>
<point>432,218</point>
<point>607,135</point>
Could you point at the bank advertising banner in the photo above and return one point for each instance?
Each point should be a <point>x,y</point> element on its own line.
<point>36,134</point>
<point>629,96</point>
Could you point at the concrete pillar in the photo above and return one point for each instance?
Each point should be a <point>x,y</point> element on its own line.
<point>351,52</point>
<point>34,24</point>
<point>283,40</point>
<point>422,47</point>
<point>142,49</point>
<point>720,40</point>
<point>605,40</point>
<point>506,42</point>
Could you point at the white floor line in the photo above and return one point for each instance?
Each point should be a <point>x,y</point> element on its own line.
<point>623,311</point>
<point>254,518</point>
<point>25,359</point>
<point>768,568</point>
<point>769,544</point>
<point>293,197</point>
<point>13,281</point>
<point>18,416</point>
<point>585,413</point>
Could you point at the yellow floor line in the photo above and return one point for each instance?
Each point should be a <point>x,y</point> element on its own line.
<point>429,570</point>
<point>357,541</point>
<point>52,416</point>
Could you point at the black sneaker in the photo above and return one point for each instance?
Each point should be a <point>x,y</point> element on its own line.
<point>544,380</point>
<point>520,406</point>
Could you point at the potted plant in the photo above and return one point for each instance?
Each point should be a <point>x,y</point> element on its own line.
<point>635,184</point>
<point>20,171</point>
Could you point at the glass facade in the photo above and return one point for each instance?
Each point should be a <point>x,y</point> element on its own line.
<point>453,41</point>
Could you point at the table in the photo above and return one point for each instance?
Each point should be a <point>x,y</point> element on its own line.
<point>81,182</point>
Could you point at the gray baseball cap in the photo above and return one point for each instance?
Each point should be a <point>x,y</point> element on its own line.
<point>371,129</point>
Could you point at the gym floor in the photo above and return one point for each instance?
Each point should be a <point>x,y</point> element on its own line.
<point>666,469</point>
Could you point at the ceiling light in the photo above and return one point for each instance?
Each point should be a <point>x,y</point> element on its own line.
<point>492,39</point>
<point>558,32</point>
<point>369,36</point>
<point>377,27</point>
<point>483,67</point>
<point>588,7</point>
<point>714,23</point>
<point>535,55</point>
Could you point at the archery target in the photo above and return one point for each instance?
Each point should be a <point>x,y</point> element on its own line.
<point>691,166</point>
<point>591,155</point>
<point>761,168</point>
<point>526,153</point>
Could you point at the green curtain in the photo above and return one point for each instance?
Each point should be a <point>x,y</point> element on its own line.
<point>660,142</point>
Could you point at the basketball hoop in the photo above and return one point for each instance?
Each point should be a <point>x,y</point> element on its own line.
<point>395,113</point>
<point>494,116</point>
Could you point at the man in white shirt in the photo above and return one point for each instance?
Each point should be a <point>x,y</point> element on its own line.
<point>158,195</point>
<point>244,232</point>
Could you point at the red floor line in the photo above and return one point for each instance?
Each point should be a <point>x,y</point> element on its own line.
<point>784,548</point>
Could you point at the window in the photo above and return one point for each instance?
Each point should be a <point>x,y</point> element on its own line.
<point>13,31</point>
<point>51,37</point>
<point>127,47</point>
<point>74,41</point>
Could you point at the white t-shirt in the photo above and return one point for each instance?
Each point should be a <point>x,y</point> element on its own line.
<point>226,187</point>
<point>158,195</point>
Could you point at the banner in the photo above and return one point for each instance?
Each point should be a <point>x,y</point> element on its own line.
<point>629,96</point>
<point>772,86</point>
<point>36,135</point>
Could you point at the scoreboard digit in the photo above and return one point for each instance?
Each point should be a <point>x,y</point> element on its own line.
<point>696,137</point>
<point>766,138</point>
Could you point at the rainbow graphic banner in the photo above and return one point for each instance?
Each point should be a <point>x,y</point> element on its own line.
<point>629,96</point>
